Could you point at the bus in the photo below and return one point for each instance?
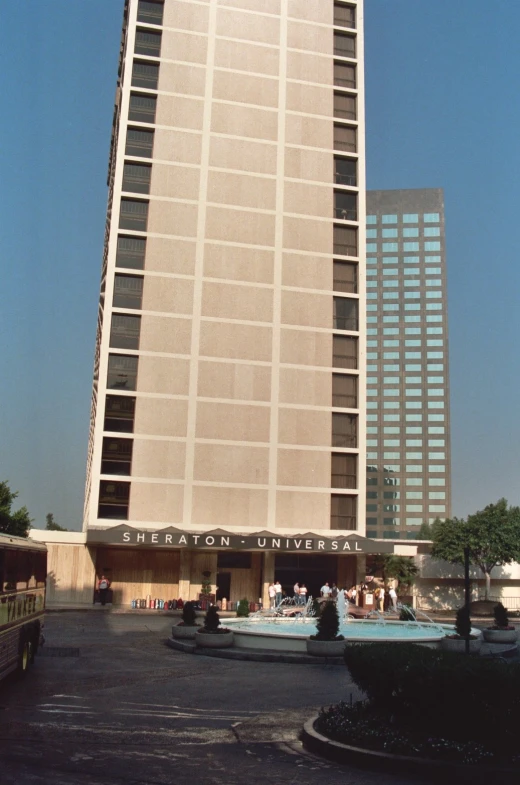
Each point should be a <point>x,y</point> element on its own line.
<point>23,572</point>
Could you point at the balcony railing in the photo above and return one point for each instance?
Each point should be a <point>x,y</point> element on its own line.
<point>345,179</point>
<point>343,481</point>
<point>345,213</point>
<point>343,522</point>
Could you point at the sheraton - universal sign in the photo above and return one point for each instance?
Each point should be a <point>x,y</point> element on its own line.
<point>222,540</point>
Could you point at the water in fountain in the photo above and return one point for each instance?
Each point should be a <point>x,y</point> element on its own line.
<point>341,605</point>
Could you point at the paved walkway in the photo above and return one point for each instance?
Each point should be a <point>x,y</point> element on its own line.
<point>121,707</point>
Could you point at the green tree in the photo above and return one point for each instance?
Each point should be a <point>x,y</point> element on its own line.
<point>492,536</point>
<point>426,530</point>
<point>51,524</point>
<point>17,523</point>
<point>401,568</point>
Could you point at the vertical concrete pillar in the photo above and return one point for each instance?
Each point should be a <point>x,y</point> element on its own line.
<point>267,576</point>
<point>361,568</point>
<point>185,574</point>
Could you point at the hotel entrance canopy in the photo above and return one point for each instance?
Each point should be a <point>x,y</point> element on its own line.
<point>218,539</point>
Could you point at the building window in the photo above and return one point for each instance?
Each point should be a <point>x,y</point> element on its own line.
<point>114,498</point>
<point>345,106</point>
<point>345,173</point>
<point>124,331</point>
<point>345,206</point>
<point>147,43</point>
<point>119,413</point>
<point>128,291</point>
<point>116,457</point>
<point>431,218</point>
<point>131,252</point>
<point>345,313</point>
<point>133,215</point>
<point>122,372</point>
<point>345,241</point>
<point>139,142</point>
<point>137,177</point>
<point>345,277</point>
<point>344,15</point>
<point>345,75</point>
<point>344,45</point>
<point>344,351</point>
<point>343,512</point>
<point>229,560</point>
<point>410,218</point>
<point>344,430</point>
<point>344,391</point>
<point>345,138</point>
<point>145,75</point>
<point>150,12</point>
<point>142,108</point>
<point>344,473</point>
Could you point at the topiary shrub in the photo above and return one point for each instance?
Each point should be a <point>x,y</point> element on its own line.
<point>316,607</point>
<point>501,616</point>
<point>188,615</point>
<point>328,624</point>
<point>212,619</point>
<point>243,608</point>
<point>407,614</point>
<point>463,623</point>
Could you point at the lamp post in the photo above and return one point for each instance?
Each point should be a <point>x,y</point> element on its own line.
<point>466,589</point>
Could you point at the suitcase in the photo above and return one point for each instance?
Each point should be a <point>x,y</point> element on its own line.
<point>142,603</point>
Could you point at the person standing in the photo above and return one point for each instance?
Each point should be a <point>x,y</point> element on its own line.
<point>393,596</point>
<point>272,595</point>
<point>381,598</point>
<point>353,595</point>
<point>278,590</point>
<point>303,594</point>
<point>296,591</point>
<point>333,592</point>
<point>103,587</point>
<point>325,590</point>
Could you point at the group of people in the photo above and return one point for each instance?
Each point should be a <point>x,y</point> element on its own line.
<point>331,592</point>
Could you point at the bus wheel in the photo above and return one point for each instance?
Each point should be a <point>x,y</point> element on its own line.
<point>25,658</point>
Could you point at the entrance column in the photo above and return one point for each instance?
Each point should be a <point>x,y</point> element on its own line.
<point>185,574</point>
<point>267,577</point>
<point>361,569</point>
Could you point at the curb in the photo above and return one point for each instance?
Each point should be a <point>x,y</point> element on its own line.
<point>402,764</point>
<point>253,655</point>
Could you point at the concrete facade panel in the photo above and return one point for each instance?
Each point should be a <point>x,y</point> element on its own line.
<point>242,56</point>
<point>178,112</point>
<point>304,426</point>
<point>160,417</point>
<point>163,375</point>
<point>165,334</point>
<point>310,388</point>
<point>306,347</point>
<point>186,16</point>
<point>307,310</point>
<point>172,218</point>
<point>226,506</point>
<point>302,511</point>
<point>232,422</point>
<point>229,301</point>
<point>156,502</point>
<point>170,256</point>
<point>184,47</point>
<point>239,154</point>
<point>304,468</point>
<point>307,272</point>
<point>235,341</point>
<point>238,263</point>
<point>231,464</point>
<point>234,381</point>
<point>244,121</point>
<point>245,89</point>
<point>240,227</point>
<point>158,459</point>
<point>242,190</point>
<point>247,26</point>
<point>168,295</point>
<point>177,147</point>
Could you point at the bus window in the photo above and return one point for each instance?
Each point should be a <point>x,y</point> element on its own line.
<point>40,569</point>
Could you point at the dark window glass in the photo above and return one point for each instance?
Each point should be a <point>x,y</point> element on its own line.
<point>344,391</point>
<point>133,215</point>
<point>136,178</point>
<point>344,15</point>
<point>145,75</point>
<point>139,142</point>
<point>116,457</point>
<point>345,171</point>
<point>122,372</point>
<point>345,75</point>
<point>344,351</point>
<point>343,470</point>
<point>371,480</point>
<point>237,559</point>
<point>345,138</point>
<point>114,498</point>
<point>128,291</point>
<point>343,513</point>
<point>124,331</point>
<point>344,106</point>
<point>149,43</point>
<point>345,205</point>
<point>345,277</point>
<point>344,45</point>
<point>119,413</point>
<point>142,108</point>
<point>346,313</point>
<point>151,12</point>
<point>345,241</point>
<point>344,430</point>
<point>131,252</point>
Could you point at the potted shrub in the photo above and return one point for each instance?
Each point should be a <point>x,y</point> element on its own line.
<point>188,626</point>
<point>243,608</point>
<point>501,631</point>
<point>457,640</point>
<point>327,642</point>
<point>212,635</point>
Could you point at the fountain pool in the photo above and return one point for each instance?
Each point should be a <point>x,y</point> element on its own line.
<point>282,634</point>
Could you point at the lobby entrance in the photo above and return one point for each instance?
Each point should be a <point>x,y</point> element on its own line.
<point>311,569</point>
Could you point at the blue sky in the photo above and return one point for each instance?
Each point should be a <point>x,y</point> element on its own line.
<point>442,111</point>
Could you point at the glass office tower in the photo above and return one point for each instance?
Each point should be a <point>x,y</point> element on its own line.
<point>408,420</point>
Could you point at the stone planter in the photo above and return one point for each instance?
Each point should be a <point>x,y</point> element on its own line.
<point>500,636</point>
<point>184,632</point>
<point>325,648</point>
<point>459,645</point>
<point>209,640</point>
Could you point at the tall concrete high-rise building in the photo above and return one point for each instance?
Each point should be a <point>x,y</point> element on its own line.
<point>229,387</point>
<point>408,414</point>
